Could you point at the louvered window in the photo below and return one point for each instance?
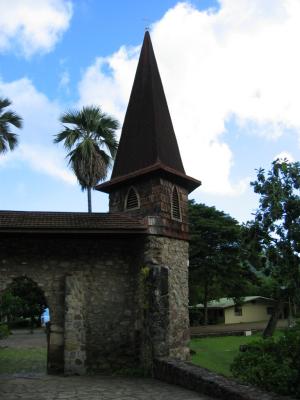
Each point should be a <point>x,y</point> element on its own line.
<point>132,200</point>
<point>175,206</point>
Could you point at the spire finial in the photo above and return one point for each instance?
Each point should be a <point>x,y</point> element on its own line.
<point>147,27</point>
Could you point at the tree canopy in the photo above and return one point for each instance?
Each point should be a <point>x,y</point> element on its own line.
<point>216,269</point>
<point>277,230</point>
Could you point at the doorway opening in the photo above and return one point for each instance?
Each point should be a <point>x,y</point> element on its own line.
<point>23,331</point>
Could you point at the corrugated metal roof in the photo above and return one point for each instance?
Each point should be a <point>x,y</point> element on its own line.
<point>226,302</point>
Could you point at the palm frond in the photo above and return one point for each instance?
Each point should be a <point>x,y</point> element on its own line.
<point>68,136</point>
<point>4,102</point>
<point>12,140</point>
<point>70,117</point>
<point>12,118</point>
<point>8,139</point>
<point>3,145</point>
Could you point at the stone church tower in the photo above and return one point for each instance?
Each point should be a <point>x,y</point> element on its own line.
<point>149,182</point>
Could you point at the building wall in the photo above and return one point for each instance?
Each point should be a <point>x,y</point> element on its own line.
<point>91,289</point>
<point>250,313</point>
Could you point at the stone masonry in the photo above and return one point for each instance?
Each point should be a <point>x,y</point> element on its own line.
<point>75,332</point>
<point>90,286</point>
<point>171,255</point>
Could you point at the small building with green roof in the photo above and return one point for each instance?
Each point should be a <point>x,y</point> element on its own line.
<point>226,311</point>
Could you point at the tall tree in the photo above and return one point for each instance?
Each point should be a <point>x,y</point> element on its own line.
<point>277,226</point>
<point>89,136</point>
<point>216,269</point>
<point>8,139</point>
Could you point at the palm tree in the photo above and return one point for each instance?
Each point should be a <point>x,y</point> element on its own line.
<point>8,140</point>
<point>91,134</point>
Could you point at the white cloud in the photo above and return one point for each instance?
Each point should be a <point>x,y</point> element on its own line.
<point>40,159</point>
<point>240,62</point>
<point>108,81</point>
<point>285,155</point>
<point>31,26</point>
<point>40,117</point>
<point>64,81</point>
<point>47,161</point>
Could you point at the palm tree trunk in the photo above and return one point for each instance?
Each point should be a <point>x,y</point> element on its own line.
<point>89,194</point>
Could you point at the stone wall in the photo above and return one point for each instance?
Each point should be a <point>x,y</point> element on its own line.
<point>168,258</point>
<point>75,324</point>
<point>96,277</point>
<point>206,382</point>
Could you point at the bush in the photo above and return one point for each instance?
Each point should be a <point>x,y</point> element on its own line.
<point>272,365</point>
<point>4,331</point>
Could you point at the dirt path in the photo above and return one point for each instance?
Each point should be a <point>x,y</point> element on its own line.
<point>23,339</point>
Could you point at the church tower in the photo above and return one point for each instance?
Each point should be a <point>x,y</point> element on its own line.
<point>148,178</point>
<point>149,182</point>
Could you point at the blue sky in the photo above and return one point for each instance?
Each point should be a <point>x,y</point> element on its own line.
<point>230,72</point>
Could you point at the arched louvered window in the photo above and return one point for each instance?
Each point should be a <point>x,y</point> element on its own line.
<point>132,201</point>
<point>175,205</point>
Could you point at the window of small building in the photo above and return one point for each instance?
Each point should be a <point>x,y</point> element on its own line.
<point>175,205</point>
<point>270,310</point>
<point>238,311</point>
<point>132,201</point>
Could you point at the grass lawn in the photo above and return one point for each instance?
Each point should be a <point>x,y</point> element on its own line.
<point>217,353</point>
<point>22,360</point>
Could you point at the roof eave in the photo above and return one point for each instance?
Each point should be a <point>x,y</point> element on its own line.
<point>184,180</point>
<point>66,231</point>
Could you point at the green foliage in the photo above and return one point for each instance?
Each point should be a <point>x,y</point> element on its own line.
<point>8,139</point>
<point>216,268</point>
<point>263,286</point>
<point>272,365</point>
<point>23,298</point>
<point>10,305</point>
<point>276,229</point>
<point>4,331</point>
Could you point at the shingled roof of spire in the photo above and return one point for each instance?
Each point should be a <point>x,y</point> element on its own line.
<point>147,135</point>
<point>148,141</point>
<point>25,221</point>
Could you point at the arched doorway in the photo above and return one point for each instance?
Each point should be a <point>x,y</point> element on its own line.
<point>24,350</point>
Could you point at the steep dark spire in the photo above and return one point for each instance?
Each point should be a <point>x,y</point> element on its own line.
<point>148,141</point>
<point>147,136</point>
